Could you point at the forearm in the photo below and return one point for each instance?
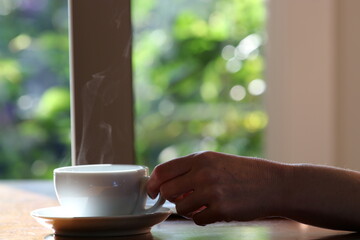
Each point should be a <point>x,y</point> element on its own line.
<point>322,196</point>
<point>241,188</point>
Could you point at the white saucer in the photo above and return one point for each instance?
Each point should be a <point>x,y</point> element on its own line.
<point>65,225</point>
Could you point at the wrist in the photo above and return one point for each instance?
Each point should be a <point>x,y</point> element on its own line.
<point>295,177</point>
<point>283,188</point>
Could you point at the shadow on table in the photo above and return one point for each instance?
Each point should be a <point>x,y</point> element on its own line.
<point>147,236</point>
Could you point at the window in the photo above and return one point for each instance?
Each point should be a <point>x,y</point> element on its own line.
<point>34,88</point>
<point>192,84</point>
<point>198,81</point>
<point>198,77</point>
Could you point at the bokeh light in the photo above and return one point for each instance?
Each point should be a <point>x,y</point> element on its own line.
<point>26,102</point>
<point>21,42</point>
<point>228,52</point>
<point>233,65</point>
<point>247,45</point>
<point>237,93</point>
<point>257,87</point>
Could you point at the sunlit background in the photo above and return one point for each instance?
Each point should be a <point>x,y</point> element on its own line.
<point>198,77</point>
<point>198,81</point>
<point>34,88</point>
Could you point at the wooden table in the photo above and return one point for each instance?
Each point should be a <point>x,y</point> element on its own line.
<point>16,223</point>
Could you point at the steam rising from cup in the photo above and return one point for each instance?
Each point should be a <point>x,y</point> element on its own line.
<point>100,97</point>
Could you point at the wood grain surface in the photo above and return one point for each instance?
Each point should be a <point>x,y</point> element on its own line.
<point>15,220</point>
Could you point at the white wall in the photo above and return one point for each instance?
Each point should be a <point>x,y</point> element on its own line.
<point>312,77</point>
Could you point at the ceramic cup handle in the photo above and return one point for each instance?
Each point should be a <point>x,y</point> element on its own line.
<point>156,206</point>
<point>158,203</point>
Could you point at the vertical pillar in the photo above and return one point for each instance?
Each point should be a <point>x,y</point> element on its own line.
<point>313,77</point>
<point>101,82</point>
<point>349,84</point>
<point>302,75</point>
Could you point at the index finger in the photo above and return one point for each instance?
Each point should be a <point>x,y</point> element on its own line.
<point>167,171</point>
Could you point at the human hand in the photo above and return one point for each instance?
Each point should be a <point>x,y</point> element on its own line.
<point>210,186</point>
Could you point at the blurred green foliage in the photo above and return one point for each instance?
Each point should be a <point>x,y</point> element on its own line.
<point>34,88</point>
<point>194,65</point>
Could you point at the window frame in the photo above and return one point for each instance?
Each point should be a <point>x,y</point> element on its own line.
<point>325,132</point>
<point>102,122</point>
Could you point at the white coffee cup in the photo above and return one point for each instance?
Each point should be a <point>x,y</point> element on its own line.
<point>103,190</point>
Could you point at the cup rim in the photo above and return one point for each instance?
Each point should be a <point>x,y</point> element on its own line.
<point>102,168</point>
